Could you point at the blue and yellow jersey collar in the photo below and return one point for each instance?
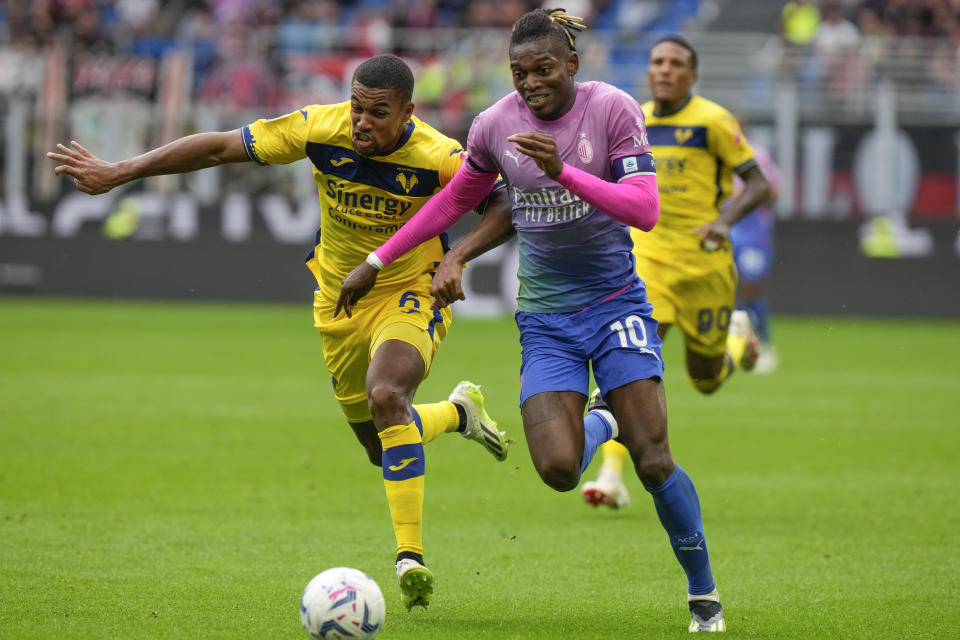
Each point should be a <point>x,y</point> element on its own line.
<point>403,138</point>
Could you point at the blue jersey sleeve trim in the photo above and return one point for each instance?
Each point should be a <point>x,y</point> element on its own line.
<point>250,145</point>
<point>719,183</point>
<point>403,137</point>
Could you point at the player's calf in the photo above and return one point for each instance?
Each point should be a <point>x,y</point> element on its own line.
<point>707,385</point>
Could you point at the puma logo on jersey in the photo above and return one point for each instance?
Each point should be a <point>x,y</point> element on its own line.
<point>403,463</point>
<point>512,155</point>
<point>339,162</point>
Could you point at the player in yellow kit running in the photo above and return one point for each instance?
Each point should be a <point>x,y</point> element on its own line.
<point>686,260</point>
<point>375,165</point>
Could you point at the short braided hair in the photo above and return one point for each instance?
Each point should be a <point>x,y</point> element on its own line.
<point>547,23</point>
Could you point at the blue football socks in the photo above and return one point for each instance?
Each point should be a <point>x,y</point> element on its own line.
<point>596,431</point>
<point>678,507</point>
<point>760,318</point>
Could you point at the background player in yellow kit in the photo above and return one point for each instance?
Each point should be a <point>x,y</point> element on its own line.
<point>375,165</point>
<point>686,260</point>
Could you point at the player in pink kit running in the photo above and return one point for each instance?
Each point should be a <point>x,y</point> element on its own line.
<point>579,173</point>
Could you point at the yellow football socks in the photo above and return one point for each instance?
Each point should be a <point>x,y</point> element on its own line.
<point>435,419</point>
<point>614,454</point>
<point>736,345</point>
<point>403,469</point>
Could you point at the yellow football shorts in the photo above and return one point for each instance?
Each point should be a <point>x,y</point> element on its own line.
<point>349,343</point>
<point>697,294</point>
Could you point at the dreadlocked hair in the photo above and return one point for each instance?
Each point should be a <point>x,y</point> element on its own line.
<point>547,23</point>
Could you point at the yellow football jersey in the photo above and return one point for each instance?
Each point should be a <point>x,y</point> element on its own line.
<point>696,150</point>
<point>364,200</point>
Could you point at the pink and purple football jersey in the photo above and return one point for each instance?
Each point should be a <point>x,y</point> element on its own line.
<point>571,255</point>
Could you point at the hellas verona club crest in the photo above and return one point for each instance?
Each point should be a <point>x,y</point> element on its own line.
<point>407,181</point>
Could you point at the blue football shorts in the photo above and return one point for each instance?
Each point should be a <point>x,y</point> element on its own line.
<point>617,336</point>
<point>752,240</point>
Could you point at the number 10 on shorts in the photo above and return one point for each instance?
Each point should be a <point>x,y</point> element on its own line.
<point>634,325</point>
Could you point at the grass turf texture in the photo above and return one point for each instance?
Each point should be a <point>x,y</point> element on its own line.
<point>182,471</point>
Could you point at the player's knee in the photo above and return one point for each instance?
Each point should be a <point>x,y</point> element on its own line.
<point>388,404</point>
<point>560,477</point>
<point>654,468</point>
<point>707,386</point>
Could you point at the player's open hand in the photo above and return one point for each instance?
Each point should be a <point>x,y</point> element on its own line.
<point>447,283</point>
<point>90,174</point>
<point>542,148</point>
<point>356,285</point>
<point>713,235</point>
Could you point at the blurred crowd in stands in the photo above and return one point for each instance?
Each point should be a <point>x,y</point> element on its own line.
<point>839,44</point>
<point>279,54</point>
<point>151,26</point>
<point>829,21</point>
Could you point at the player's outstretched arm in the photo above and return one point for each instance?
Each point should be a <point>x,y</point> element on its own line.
<point>756,191</point>
<point>495,228</point>
<point>94,175</point>
<point>439,213</point>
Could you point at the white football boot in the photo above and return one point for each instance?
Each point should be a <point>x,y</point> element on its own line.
<point>480,426</point>
<point>740,326</point>
<point>706,613</point>
<point>416,583</point>
<point>607,489</point>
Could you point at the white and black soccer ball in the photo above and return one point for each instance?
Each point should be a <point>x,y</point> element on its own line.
<point>342,603</point>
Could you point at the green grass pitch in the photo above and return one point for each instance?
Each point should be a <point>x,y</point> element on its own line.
<point>182,471</point>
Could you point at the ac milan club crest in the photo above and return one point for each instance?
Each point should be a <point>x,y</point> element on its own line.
<point>585,149</point>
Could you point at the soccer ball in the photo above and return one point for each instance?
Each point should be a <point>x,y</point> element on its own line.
<point>342,603</point>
